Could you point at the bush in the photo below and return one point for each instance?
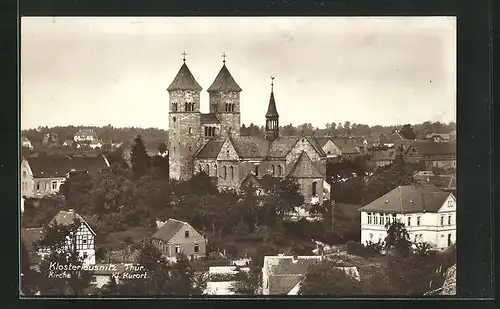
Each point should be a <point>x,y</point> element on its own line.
<point>371,249</point>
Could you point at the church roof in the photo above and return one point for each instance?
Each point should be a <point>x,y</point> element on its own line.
<point>184,80</point>
<point>304,168</point>
<point>271,109</point>
<point>347,145</point>
<point>211,149</point>
<point>280,146</point>
<point>250,146</point>
<point>209,118</point>
<point>224,82</point>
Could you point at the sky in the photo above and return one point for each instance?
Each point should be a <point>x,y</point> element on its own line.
<point>377,71</point>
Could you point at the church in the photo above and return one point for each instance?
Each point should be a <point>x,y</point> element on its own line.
<point>212,142</point>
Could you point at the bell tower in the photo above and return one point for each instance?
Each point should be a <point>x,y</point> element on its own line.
<point>183,122</point>
<point>272,117</point>
<point>224,96</point>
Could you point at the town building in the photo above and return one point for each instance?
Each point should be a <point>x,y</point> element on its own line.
<point>42,176</point>
<point>83,241</point>
<point>85,135</point>
<point>212,142</point>
<point>428,213</point>
<point>441,154</point>
<point>339,147</point>
<point>437,137</point>
<point>383,157</point>
<point>282,275</point>
<point>175,237</point>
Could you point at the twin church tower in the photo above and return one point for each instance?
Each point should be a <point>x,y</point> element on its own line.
<point>190,130</point>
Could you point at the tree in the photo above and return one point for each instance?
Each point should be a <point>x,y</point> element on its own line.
<point>398,239</point>
<point>397,174</point>
<point>325,278</point>
<point>281,196</point>
<point>28,276</point>
<point>76,190</point>
<point>60,248</point>
<point>407,132</point>
<point>247,283</point>
<point>139,158</point>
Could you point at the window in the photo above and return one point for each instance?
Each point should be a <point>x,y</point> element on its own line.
<point>190,130</point>
<point>186,234</point>
<point>54,185</point>
<point>199,168</point>
<point>442,220</point>
<point>449,220</point>
<point>196,248</point>
<point>190,148</point>
<point>256,170</point>
<point>174,119</point>
<point>449,240</point>
<point>174,107</point>
<point>207,169</point>
<point>382,218</point>
<point>84,241</point>
<point>85,255</point>
<point>375,218</point>
<point>450,203</point>
<point>231,170</point>
<point>24,174</point>
<point>369,218</point>
<point>409,221</point>
<point>393,218</point>
<point>314,193</point>
<point>418,220</point>
<point>38,186</point>
<point>274,170</point>
<point>214,107</point>
<point>177,249</point>
<point>279,170</point>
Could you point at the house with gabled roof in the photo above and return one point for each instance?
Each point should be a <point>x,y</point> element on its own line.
<point>42,176</point>
<point>176,237</point>
<point>428,213</point>
<point>283,275</point>
<point>211,142</point>
<point>383,157</point>
<point>442,154</point>
<point>85,135</point>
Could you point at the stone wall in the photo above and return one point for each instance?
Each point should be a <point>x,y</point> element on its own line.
<point>229,120</point>
<point>184,133</point>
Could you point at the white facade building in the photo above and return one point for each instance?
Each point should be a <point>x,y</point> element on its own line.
<point>428,213</point>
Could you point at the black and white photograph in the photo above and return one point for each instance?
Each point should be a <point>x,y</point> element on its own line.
<point>238,156</point>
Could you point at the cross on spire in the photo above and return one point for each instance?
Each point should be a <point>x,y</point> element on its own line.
<point>184,54</point>
<point>272,83</point>
<point>224,57</point>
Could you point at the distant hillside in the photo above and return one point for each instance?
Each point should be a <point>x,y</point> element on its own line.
<point>152,136</point>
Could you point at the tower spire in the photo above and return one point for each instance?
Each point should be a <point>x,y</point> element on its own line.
<point>184,54</point>
<point>272,84</point>
<point>224,58</point>
<point>272,117</point>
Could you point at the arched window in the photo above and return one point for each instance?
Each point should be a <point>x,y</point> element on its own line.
<point>174,119</point>
<point>199,168</point>
<point>274,170</point>
<point>279,170</point>
<point>230,130</point>
<point>314,193</point>
<point>190,130</point>
<point>225,172</point>
<point>256,170</point>
<point>208,170</point>
<point>174,107</point>
<point>231,170</point>
<point>215,169</point>
<point>185,107</point>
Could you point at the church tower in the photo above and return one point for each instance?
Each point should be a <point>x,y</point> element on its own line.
<point>224,99</point>
<point>184,122</point>
<point>272,117</point>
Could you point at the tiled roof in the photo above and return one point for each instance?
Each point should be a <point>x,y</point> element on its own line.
<point>281,146</point>
<point>304,168</point>
<point>316,145</point>
<point>442,135</point>
<point>391,139</point>
<point>432,148</point>
<point>209,118</point>
<point>409,199</point>
<point>184,80</point>
<point>169,229</point>
<point>224,82</point>
<point>250,146</point>
<point>322,140</point>
<point>211,149</point>
<point>347,145</point>
<point>271,109</point>
<point>284,272</point>
<point>384,155</point>
<point>48,167</point>
<point>67,217</point>
<point>440,181</point>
